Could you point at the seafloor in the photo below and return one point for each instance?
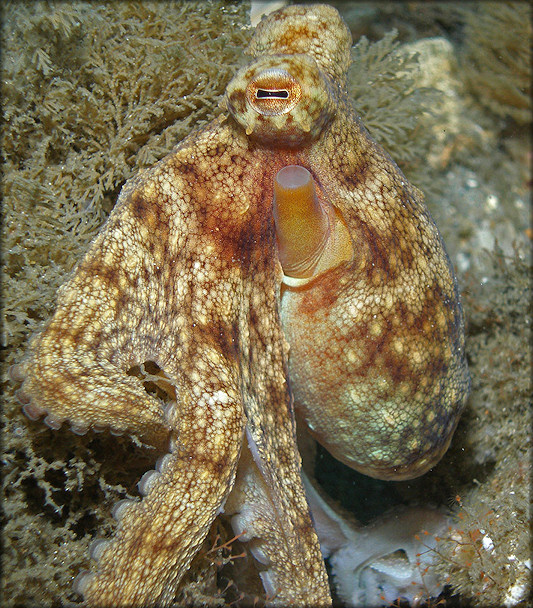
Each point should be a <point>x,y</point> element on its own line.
<point>94,91</point>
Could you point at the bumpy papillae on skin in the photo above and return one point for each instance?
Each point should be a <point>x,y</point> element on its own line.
<point>186,273</point>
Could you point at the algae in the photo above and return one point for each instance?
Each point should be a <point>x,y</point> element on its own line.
<point>496,57</point>
<point>486,552</point>
<point>383,82</point>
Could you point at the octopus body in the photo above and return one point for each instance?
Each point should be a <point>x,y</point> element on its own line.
<point>276,260</point>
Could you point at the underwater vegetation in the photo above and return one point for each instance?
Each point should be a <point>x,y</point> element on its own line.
<point>496,57</point>
<point>377,66</point>
<point>487,553</point>
<point>93,92</point>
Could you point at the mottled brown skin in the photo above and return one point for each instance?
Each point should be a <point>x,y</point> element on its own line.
<point>185,273</point>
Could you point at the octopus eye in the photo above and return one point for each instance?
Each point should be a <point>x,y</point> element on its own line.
<point>281,100</point>
<point>273,92</point>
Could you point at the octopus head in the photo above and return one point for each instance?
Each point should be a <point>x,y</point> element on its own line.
<point>281,100</point>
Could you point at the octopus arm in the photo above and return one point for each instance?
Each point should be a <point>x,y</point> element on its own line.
<point>268,502</point>
<point>157,538</point>
<point>133,300</point>
<point>108,319</point>
<point>279,535</point>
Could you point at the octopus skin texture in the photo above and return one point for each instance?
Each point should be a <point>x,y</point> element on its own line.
<point>276,260</point>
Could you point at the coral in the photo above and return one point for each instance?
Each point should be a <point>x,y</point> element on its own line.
<point>496,56</point>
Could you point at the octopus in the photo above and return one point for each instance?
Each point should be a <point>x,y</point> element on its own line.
<point>276,262</point>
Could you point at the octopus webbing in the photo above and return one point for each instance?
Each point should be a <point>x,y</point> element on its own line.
<point>276,261</point>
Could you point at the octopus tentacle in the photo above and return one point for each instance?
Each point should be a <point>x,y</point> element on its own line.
<point>77,369</point>
<point>168,526</point>
<point>267,530</point>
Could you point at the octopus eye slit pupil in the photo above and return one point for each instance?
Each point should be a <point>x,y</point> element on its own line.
<point>272,93</point>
